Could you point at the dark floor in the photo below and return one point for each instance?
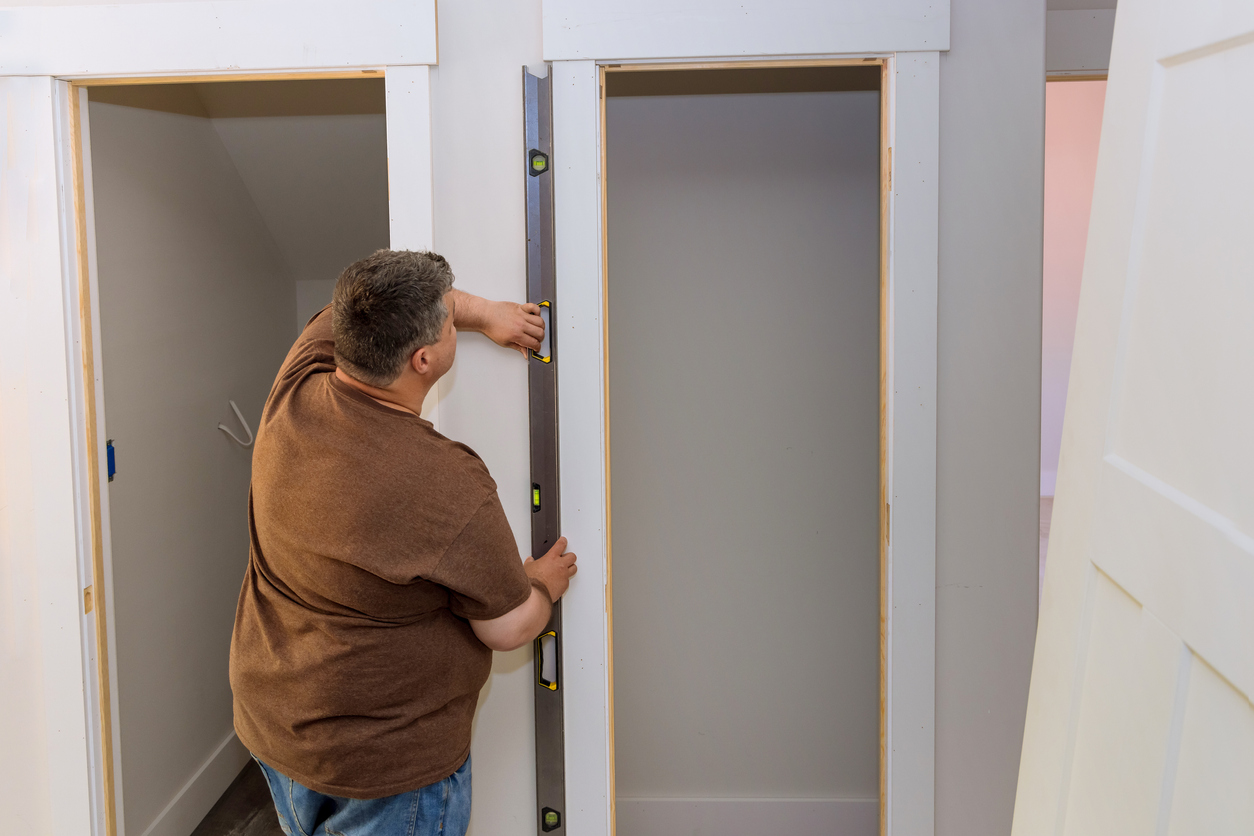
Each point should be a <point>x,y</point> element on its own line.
<point>245,809</point>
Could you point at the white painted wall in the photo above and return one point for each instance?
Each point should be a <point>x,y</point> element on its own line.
<point>477,143</point>
<point>988,405</point>
<point>43,735</point>
<point>744,289</point>
<point>313,156</point>
<point>320,185</point>
<point>1078,40</point>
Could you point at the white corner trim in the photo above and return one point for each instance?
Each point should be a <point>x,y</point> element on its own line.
<point>581,448</point>
<point>913,269</point>
<point>195,798</point>
<point>44,726</point>
<point>215,36</point>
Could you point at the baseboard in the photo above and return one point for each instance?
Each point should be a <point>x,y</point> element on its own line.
<point>195,798</point>
<point>747,816</point>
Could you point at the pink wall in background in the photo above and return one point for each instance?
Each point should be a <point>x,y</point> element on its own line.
<point>1073,126</point>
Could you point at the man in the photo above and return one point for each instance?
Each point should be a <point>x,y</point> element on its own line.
<point>382,571</point>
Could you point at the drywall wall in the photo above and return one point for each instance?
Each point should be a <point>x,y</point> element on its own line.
<point>988,405</point>
<point>1077,41</point>
<point>44,772</point>
<point>196,308</point>
<point>743,299</point>
<point>477,144</point>
<point>1073,127</point>
<point>313,156</point>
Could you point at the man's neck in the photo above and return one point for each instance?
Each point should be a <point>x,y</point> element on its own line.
<point>406,398</point>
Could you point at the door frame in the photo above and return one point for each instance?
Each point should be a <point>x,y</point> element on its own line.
<point>908,283</point>
<point>410,198</point>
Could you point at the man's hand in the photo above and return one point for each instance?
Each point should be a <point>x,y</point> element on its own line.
<point>555,569</point>
<point>508,324</point>
<point>514,325</point>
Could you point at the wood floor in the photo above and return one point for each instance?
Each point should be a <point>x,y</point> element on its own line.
<point>245,809</point>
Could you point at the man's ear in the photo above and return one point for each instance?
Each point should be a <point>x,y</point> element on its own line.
<point>419,361</point>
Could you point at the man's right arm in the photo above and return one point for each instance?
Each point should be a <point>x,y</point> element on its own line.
<point>523,623</point>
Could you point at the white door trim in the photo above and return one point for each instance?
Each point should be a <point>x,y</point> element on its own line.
<point>215,36</point>
<point>914,102</point>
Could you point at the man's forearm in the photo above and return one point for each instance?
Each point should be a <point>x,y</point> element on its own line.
<point>469,311</point>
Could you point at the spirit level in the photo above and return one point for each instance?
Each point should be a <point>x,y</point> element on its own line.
<point>542,398</point>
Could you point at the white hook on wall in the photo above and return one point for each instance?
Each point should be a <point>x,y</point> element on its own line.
<point>243,423</point>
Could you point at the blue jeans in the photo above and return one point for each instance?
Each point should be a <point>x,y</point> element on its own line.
<point>439,809</point>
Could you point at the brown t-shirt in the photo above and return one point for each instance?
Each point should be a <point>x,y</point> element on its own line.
<point>374,539</point>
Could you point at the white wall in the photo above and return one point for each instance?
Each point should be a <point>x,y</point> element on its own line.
<point>320,184</point>
<point>43,766</point>
<point>480,227</point>
<point>1078,40</point>
<point>196,309</point>
<point>988,405</point>
<point>744,408</point>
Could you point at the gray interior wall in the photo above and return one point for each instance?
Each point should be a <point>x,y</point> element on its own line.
<point>320,182</point>
<point>744,398</point>
<point>988,405</point>
<point>196,309</point>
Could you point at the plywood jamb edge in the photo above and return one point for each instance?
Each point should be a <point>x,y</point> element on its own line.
<point>609,538</point>
<point>87,358</point>
<point>733,64</point>
<point>1065,75</point>
<point>886,169</point>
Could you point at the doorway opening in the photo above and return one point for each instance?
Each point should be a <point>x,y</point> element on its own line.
<point>1073,128</point>
<point>746,303</point>
<point>217,217</point>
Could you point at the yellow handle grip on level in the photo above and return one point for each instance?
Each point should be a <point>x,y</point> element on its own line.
<point>549,357</point>
<point>550,684</point>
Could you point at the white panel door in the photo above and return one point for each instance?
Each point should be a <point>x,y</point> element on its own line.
<point>1139,718</point>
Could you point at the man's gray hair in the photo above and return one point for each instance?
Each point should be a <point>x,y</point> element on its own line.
<point>386,307</point>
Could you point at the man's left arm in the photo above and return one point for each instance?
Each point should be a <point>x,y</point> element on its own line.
<point>509,324</point>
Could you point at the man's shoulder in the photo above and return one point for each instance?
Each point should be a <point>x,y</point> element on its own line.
<point>459,463</point>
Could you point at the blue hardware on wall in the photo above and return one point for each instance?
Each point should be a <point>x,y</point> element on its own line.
<point>110,459</point>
